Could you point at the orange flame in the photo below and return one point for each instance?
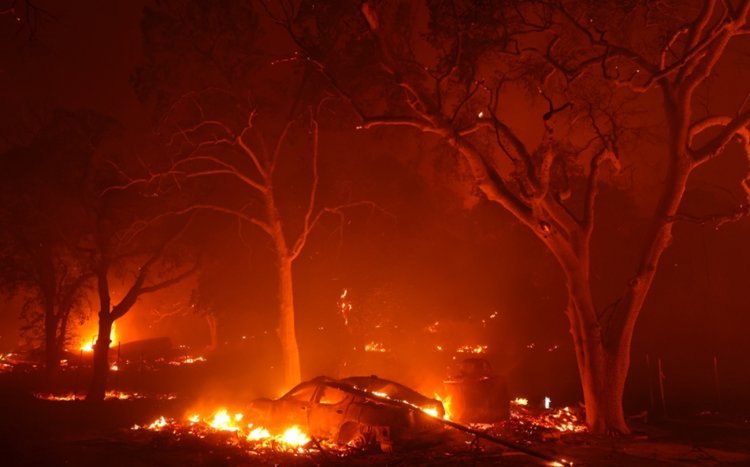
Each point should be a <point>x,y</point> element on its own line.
<point>87,345</point>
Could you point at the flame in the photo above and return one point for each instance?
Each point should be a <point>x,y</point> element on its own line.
<point>222,421</point>
<point>87,345</point>
<point>446,405</point>
<point>520,401</point>
<point>292,439</point>
<point>258,433</point>
<point>295,437</point>
<point>375,347</point>
<point>158,424</point>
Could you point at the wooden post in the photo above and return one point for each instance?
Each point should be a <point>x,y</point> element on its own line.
<point>662,397</point>
<point>717,386</point>
<point>78,373</point>
<point>117,362</point>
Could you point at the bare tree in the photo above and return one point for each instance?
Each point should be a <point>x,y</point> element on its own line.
<point>214,147</point>
<point>454,69</point>
<point>227,121</point>
<point>146,260</point>
<point>43,206</point>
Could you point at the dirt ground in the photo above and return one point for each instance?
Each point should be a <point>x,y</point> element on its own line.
<point>37,432</point>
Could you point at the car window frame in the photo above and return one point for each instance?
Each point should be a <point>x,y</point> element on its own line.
<point>308,384</point>
<point>322,389</point>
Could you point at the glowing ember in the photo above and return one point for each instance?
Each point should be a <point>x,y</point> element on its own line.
<point>109,395</point>
<point>563,420</point>
<point>186,360</point>
<point>520,401</point>
<point>375,347</point>
<point>5,364</point>
<point>475,349</point>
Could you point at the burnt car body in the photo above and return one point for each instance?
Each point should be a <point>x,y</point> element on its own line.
<point>355,411</point>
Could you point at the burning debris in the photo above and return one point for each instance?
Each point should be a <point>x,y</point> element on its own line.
<point>186,360</point>
<point>236,430</point>
<point>5,362</point>
<point>526,422</point>
<point>109,395</point>
<point>475,349</point>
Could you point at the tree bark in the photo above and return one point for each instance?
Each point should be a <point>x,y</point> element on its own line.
<point>286,327</point>
<point>101,360</point>
<point>602,367</point>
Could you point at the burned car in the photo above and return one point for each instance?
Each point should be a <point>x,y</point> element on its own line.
<point>357,411</point>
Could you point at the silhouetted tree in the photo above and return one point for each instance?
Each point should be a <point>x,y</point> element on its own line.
<point>43,201</point>
<point>140,255</point>
<point>541,101</point>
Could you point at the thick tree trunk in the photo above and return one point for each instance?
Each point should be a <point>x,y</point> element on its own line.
<point>602,370</point>
<point>603,378</point>
<point>101,360</point>
<point>51,352</point>
<point>286,328</point>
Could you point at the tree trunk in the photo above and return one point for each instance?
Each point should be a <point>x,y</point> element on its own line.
<point>101,360</point>
<point>602,361</point>
<point>603,376</point>
<point>212,331</point>
<point>286,327</point>
<point>51,353</point>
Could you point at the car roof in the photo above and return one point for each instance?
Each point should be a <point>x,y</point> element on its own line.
<point>393,389</point>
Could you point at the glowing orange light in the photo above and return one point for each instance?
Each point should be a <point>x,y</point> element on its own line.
<point>87,345</point>
<point>375,347</point>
